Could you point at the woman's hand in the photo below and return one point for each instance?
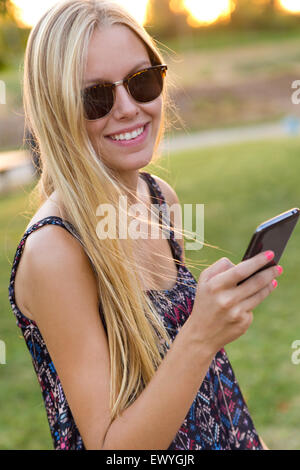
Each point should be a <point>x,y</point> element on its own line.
<point>222,310</point>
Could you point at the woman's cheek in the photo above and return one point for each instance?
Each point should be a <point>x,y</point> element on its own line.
<point>95,132</point>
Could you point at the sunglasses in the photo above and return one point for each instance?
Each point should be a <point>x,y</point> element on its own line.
<point>144,86</point>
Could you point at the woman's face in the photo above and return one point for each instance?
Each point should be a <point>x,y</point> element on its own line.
<point>115,52</point>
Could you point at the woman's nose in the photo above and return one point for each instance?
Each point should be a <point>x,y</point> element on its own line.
<point>125,106</point>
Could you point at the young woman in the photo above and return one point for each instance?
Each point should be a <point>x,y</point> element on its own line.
<point>126,344</point>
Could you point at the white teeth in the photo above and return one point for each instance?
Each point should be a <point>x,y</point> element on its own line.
<point>128,135</point>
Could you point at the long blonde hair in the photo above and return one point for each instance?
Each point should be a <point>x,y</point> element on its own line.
<point>55,61</point>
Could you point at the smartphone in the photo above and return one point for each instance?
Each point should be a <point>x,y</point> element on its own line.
<point>273,234</point>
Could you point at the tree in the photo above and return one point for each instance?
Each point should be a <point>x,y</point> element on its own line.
<point>271,7</point>
<point>254,14</point>
<point>272,4</point>
<point>6,10</point>
<point>163,22</point>
<point>12,38</point>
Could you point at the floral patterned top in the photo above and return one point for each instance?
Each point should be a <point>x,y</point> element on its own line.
<point>218,418</point>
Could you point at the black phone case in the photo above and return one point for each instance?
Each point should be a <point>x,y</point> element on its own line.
<point>282,225</point>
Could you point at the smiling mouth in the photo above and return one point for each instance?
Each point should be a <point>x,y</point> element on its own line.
<point>128,136</point>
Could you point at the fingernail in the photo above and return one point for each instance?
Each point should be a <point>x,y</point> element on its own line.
<point>280,269</point>
<point>269,255</point>
<point>274,283</point>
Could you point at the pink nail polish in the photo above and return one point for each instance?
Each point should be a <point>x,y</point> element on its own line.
<point>274,283</point>
<point>280,269</point>
<point>269,255</point>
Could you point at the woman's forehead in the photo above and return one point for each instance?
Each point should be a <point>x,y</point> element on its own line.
<point>114,51</point>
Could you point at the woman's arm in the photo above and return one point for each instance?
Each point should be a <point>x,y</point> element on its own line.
<point>221,313</point>
<point>263,444</point>
<point>172,198</point>
<point>64,305</point>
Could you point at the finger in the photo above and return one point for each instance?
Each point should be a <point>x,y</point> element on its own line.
<point>257,282</point>
<point>244,269</point>
<point>220,266</point>
<point>251,302</point>
<point>247,320</point>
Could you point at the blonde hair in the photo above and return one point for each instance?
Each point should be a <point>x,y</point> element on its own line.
<point>55,61</point>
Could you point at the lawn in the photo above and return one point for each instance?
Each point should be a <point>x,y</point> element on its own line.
<point>212,39</point>
<point>240,185</point>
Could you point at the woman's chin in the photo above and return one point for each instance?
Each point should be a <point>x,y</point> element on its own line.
<point>129,163</point>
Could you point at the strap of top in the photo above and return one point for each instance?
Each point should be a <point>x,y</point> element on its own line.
<point>156,198</point>
<point>53,220</point>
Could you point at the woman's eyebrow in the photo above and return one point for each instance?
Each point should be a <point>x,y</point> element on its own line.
<point>145,63</point>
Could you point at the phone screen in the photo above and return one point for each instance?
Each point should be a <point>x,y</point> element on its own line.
<point>273,238</point>
<point>272,235</point>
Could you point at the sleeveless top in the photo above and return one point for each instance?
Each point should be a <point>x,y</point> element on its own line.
<point>218,418</point>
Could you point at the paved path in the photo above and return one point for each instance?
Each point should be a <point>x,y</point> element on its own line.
<point>16,168</point>
<point>285,128</point>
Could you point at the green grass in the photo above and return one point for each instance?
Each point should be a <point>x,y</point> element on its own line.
<point>13,78</point>
<point>240,185</point>
<point>213,39</point>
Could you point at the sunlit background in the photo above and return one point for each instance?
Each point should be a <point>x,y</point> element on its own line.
<point>30,10</point>
<point>199,13</point>
<point>292,6</point>
<point>231,66</point>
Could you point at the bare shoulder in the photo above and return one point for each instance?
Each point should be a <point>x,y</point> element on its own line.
<point>53,251</point>
<point>51,207</point>
<point>52,256</point>
<point>50,241</point>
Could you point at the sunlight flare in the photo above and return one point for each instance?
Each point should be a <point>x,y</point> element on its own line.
<point>28,12</point>
<point>292,6</point>
<point>203,13</point>
<point>138,8</point>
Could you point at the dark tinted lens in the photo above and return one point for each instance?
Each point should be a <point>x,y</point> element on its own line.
<point>146,86</point>
<point>98,101</point>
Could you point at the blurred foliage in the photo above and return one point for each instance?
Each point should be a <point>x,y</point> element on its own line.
<point>12,38</point>
<point>166,23</point>
<point>163,22</point>
<point>262,14</point>
<point>5,8</point>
